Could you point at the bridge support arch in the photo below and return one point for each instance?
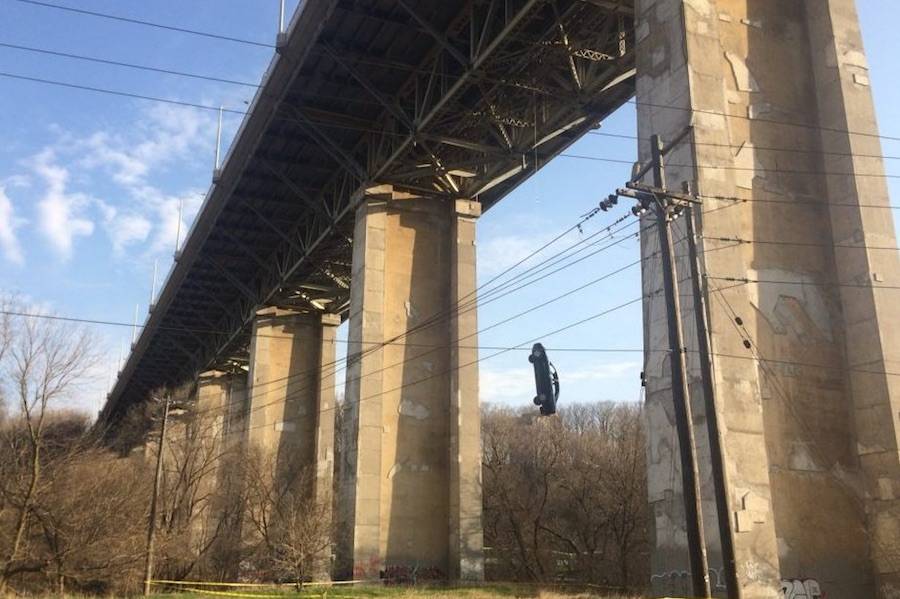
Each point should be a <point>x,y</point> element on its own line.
<point>410,489</point>
<point>805,396</point>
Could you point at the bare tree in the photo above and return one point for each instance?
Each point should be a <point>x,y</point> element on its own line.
<point>43,363</point>
<point>292,527</point>
<point>565,497</point>
<point>90,520</point>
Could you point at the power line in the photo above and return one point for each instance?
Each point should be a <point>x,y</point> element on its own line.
<point>738,241</point>
<point>762,120</point>
<point>438,317</point>
<point>127,65</point>
<point>134,21</point>
<point>801,283</point>
<point>338,125</point>
<point>423,354</point>
<point>297,392</point>
<point>730,167</point>
<point>119,93</point>
<point>450,370</point>
<point>813,203</point>
<point>750,147</point>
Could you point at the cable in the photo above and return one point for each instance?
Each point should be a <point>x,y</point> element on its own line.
<point>257,86</point>
<point>330,124</point>
<point>802,283</point>
<point>133,21</point>
<point>795,202</point>
<point>128,65</point>
<point>752,147</point>
<point>196,76</point>
<point>762,120</point>
<point>423,354</point>
<point>405,360</point>
<point>790,407</point>
<point>450,370</point>
<point>119,93</point>
<point>727,167</point>
<point>739,241</point>
<point>337,125</point>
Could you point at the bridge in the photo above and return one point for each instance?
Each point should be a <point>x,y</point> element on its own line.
<point>384,128</point>
<point>439,109</point>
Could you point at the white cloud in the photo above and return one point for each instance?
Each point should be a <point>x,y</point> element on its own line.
<point>165,210</point>
<point>60,213</point>
<point>506,384</point>
<point>499,253</point>
<point>9,241</point>
<point>135,211</point>
<point>167,135</point>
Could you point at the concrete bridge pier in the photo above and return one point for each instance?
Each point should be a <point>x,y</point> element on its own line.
<point>292,410</point>
<point>805,354</point>
<point>410,488</point>
<point>220,424</point>
<point>290,427</point>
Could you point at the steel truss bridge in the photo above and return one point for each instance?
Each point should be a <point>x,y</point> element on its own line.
<point>449,98</point>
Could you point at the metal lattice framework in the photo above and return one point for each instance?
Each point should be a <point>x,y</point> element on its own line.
<point>448,98</point>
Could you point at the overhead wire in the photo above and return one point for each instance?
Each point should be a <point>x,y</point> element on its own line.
<point>145,23</point>
<point>208,107</point>
<point>753,147</point>
<point>506,320</point>
<point>802,423</point>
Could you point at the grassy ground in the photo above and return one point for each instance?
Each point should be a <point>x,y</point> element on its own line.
<point>499,591</point>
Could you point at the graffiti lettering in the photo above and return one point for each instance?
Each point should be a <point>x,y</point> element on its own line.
<point>807,588</point>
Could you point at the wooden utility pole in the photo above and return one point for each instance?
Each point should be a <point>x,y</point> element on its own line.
<point>717,457</point>
<point>665,211</point>
<point>151,523</point>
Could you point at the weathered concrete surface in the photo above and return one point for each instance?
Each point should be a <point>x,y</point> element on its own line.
<point>220,427</point>
<point>810,431</point>
<point>291,418</point>
<point>410,494</point>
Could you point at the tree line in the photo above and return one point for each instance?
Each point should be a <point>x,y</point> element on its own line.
<point>564,496</point>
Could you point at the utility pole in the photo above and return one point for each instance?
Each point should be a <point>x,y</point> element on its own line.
<point>717,458</point>
<point>151,523</point>
<point>668,206</point>
<point>690,475</point>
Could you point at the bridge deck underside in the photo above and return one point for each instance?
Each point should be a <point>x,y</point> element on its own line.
<point>450,98</point>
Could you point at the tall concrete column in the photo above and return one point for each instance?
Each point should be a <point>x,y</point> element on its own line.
<point>810,440</point>
<point>292,408</point>
<point>410,494</point>
<point>219,429</point>
<point>291,416</point>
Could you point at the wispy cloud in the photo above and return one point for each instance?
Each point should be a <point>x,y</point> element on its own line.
<point>9,241</point>
<point>116,187</point>
<point>166,135</point>
<point>61,213</point>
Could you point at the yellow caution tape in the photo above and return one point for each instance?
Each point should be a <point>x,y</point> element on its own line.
<point>229,593</point>
<point>261,584</point>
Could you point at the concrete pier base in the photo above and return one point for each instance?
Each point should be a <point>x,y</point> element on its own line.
<point>808,412</point>
<point>410,490</point>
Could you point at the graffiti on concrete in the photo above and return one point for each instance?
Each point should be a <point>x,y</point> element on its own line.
<point>796,588</point>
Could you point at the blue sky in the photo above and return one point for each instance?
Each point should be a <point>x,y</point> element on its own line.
<point>90,184</point>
